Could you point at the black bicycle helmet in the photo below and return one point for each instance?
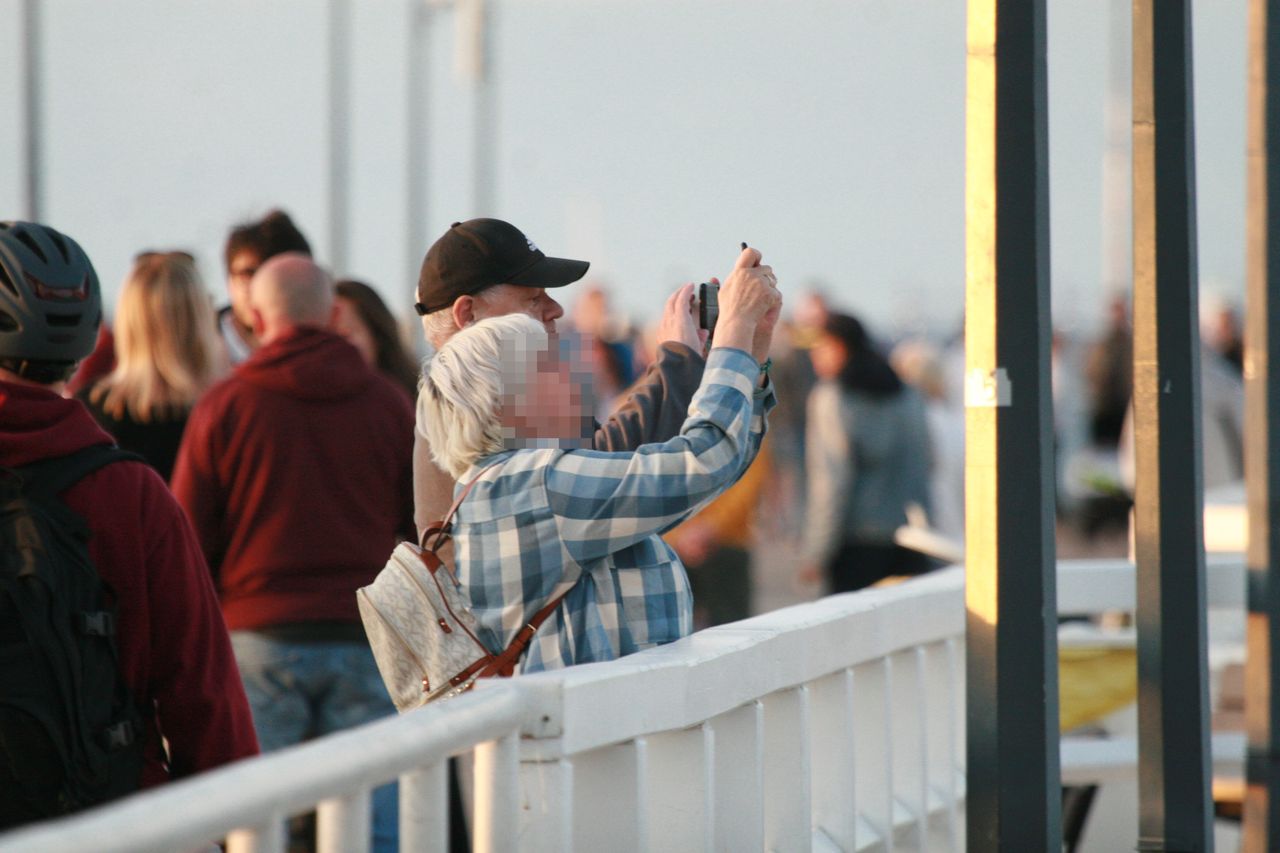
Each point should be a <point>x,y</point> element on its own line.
<point>50,301</point>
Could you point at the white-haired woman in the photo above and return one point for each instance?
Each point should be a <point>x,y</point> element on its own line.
<point>543,520</point>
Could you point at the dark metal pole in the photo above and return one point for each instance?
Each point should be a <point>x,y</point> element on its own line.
<point>339,132</point>
<point>1014,795</point>
<point>32,119</point>
<point>1173,729</point>
<point>1262,430</point>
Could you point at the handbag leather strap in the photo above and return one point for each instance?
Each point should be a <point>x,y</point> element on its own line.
<point>440,529</point>
<point>503,664</point>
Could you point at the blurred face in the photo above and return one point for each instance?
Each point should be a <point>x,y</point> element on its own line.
<point>829,355</point>
<point>243,265</point>
<point>347,322</point>
<point>514,299</point>
<point>553,404</point>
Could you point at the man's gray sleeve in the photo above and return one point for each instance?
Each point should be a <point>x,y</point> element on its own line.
<point>657,405</point>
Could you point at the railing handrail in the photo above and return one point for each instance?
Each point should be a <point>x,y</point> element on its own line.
<point>252,792</point>
<point>719,669</point>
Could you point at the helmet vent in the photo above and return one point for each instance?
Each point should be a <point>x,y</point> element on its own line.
<point>7,282</point>
<point>63,320</point>
<point>60,243</point>
<point>25,239</point>
<point>8,323</point>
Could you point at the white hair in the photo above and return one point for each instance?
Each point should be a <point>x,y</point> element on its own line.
<point>439,326</point>
<point>464,383</point>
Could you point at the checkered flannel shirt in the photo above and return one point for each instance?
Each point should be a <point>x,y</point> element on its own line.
<point>540,522</point>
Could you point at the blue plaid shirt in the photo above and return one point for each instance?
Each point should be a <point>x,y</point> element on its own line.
<point>540,522</point>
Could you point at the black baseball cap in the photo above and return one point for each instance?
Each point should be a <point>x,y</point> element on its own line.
<point>478,253</point>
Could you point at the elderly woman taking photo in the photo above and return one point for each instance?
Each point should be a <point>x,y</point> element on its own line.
<point>546,517</point>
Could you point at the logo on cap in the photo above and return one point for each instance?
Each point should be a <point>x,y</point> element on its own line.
<point>532,247</point>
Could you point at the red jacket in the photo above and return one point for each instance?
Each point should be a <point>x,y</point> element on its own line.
<point>297,474</point>
<point>171,639</point>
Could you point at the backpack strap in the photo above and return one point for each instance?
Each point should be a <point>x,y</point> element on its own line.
<point>48,478</point>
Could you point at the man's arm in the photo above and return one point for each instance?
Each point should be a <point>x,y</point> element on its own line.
<point>657,405</point>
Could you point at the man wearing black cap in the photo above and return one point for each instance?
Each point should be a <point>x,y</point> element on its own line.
<point>487,268</point>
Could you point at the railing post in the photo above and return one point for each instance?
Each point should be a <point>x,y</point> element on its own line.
<point>497,798</point>
<point>1173,731</point>
<point>343,824</point>
<point>424,809</point>
<point>1014,800</point>
<point>1262,430</point>
<point>268,837</point>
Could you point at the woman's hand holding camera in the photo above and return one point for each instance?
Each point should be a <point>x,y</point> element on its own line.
<point>749,306</point>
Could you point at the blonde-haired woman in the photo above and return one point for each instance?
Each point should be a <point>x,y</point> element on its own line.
<point>166,355</point>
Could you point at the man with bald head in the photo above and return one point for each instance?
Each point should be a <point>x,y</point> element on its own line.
<point>296,473</point>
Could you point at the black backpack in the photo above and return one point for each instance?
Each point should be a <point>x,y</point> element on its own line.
<point>70,734</point>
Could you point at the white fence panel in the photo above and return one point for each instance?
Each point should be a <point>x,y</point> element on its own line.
<point>831,713</point>
<point>738,795</point>
<point>829,726</point>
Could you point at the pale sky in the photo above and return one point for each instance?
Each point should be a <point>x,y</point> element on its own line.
<point>650,137</point>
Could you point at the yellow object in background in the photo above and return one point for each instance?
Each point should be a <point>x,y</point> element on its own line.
<point>1094,682</point>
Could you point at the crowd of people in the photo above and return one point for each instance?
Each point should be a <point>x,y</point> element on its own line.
<point>256,465</point>
<point>288,441</point>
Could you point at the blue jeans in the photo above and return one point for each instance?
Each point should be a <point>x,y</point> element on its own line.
<point>299,691</point>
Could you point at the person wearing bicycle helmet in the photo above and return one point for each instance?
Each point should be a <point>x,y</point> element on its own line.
<point>171,643</point>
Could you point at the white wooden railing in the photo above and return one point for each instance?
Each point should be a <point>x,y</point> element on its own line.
<point>836,725</point>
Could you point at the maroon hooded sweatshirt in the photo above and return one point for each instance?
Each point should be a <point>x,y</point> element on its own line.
<point>297,474</point>
<point>172,642</point>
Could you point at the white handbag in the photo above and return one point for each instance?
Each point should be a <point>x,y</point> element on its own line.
<point>421,628</point>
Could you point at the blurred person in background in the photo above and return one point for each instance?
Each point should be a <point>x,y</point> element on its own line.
<point>249,246</point>
<point>715,547</point>
<point>792,370</point>
<point>295,472</point>
<point>868,458</point>
<point>99,363</point>
<point>167,355</point>
<point>1221,329</point>
<point>1109,371</point>
<point>364,320</point>
<point>920,365</point>
<point>611,351</point>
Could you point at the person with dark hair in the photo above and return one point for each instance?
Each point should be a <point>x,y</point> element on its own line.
<point>170,641</point>
<point>364,320</point>
<point>867,460</point>
<point>249,246</point>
